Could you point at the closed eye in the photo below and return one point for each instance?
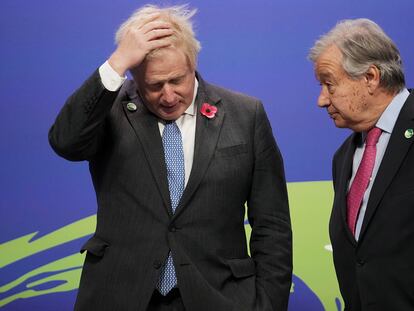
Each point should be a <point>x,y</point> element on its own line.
<point>176,81</point>
<point>155,86</point>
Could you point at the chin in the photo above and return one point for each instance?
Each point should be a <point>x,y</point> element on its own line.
<point>173,115</point>
<point>340,124</point>
<point>169,116</point>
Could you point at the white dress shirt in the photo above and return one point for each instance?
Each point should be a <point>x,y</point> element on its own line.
<point>186,122</point>
<point>386,123</point>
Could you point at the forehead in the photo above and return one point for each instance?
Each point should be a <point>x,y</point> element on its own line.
<point>329,63</point>
<point>166,64</point>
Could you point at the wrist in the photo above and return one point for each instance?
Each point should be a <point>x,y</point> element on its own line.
<point>117,64</point>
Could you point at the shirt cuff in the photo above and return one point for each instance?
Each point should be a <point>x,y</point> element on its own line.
<point>110,78</point>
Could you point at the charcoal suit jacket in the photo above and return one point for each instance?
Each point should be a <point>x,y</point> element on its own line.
<point>236,160</point>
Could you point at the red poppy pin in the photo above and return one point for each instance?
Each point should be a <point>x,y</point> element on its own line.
<point>209,111</point>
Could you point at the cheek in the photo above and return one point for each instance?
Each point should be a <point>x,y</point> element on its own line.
<point>363,102</point>
<point>351,100</point>
<point>152,97</point>
<point>358,102</point>
<point>341,102</point>
<point>185,94</point>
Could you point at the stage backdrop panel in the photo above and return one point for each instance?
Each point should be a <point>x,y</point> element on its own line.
<point>47,205</point>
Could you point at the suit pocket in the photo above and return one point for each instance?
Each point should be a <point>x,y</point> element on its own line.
<point>242,268</point>
<point>95,246</point>
<point>232,150</point>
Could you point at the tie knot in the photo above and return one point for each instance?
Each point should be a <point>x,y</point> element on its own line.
<point>373,136</point>
<point>169,122</point>
<point>171,126</point>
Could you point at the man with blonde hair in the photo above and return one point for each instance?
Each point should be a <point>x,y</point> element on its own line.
<point>174,160</point>
<point>371,226</point>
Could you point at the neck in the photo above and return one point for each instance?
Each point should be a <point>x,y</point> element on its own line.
<point>378,102</point>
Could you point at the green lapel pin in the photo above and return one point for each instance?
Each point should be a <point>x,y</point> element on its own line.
<point>131,107</point>
<point>409,133</point>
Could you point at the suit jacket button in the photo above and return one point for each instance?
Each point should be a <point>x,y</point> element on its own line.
<point>173,229</point>
<point>360,262</point>
<point>156,264</point>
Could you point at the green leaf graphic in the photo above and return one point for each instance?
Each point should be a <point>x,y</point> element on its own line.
<point>310,207</point>
<point>22,247</point>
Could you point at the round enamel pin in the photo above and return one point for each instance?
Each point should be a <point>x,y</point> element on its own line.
<point>409,133</point>
<point>131,107</point>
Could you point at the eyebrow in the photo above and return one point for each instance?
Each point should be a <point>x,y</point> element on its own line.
<point>325,76</point>
<point>174,77</point>
<point>150,82</point>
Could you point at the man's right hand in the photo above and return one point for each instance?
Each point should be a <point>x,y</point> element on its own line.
<point>138,40</point>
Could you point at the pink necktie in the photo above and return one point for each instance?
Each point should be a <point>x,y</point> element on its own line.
<point>362,177</point>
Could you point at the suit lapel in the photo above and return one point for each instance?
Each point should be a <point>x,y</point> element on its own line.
<point>145,125</point>
<point>395,153</point>
<point>206,137</point>
<point>346,173</point>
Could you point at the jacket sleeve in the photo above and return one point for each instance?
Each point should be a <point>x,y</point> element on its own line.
<point>268,213</point>
<point>79,127</point>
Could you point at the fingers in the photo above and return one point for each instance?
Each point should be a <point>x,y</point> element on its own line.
<point>155,30</point>
<point>150,26</point>
<point>140,39</point>
<point>158,34</point>
<point>151,31</point>
<point>160,43</point>
<point>148,19</point>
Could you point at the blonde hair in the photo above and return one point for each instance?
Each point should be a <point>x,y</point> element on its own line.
<point>180,18</point>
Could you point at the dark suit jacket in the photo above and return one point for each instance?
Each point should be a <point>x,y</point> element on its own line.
<point>377,272</point>
<point>236,160</point>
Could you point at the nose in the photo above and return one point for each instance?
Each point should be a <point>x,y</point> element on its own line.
<point>168,94</point>
<point>323,99</point>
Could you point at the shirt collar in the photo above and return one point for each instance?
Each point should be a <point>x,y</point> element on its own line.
<point>192,108</point>
<point>388,118</point>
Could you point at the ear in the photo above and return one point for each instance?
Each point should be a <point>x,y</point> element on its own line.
<point>372,78</point>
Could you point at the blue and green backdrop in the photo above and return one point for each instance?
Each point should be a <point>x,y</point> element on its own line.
<point>47,205</point>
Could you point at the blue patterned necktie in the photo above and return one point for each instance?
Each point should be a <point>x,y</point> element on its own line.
<point>174,160</point>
